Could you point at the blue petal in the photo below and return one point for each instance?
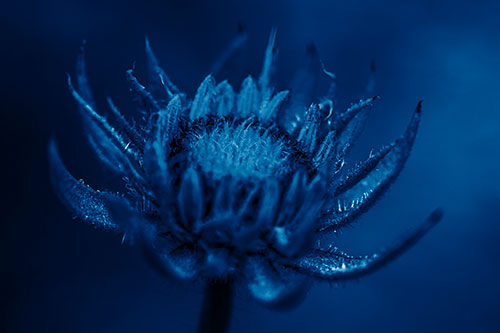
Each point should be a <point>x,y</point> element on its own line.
<point>269,203</point>
<point>298,216</point>
<point>267,66</point>
<point>203,98</point>
<point>167,125</point>
<point>349,124</point>
<point>303,86</point>
<point>236,44</point>
<point>224,99</point>
<point>269,108</point>
<point>368,181</point>
<point>326,151</point>
<point>158,146</point>
<point>159,81</point>
<point>190,198</point>
<point>94,207</point>
<point>141,91</point>
<point>309,132</point>
<point>136,138</point>
<point>182,262</point>
<point>248,98</point>
<point>82,81</point>
<point>274,285</point>
<point>345,117</point>
<point>335,265</point>
<point>109,146</point>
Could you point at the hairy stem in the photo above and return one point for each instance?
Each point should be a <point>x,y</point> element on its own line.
<point>217,307</point>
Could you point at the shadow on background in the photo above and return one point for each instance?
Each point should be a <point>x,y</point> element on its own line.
<point>62,276</point>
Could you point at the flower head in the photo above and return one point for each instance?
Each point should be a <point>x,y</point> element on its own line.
<point>235,185</point>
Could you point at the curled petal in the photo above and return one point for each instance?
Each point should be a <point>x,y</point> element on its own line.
<point>273,284</point>
<point>335,265</point>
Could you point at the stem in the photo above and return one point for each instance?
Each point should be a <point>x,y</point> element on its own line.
<point>217,307</point>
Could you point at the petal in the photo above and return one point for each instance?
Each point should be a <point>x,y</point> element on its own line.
<point>92,206</point>
<point>336,265</point>
<point>273,284</point>
<point>326,151</point>
<point>158,80</point>
<point>190,198</point>
<point>345,117</point>
<point>82,81</point>
<point>269,108</point>
<point>141,92</point>
<point>182,262</point>
<point>109,146</point>
<point>236,44</point>
<point>349,124</point>
<point>158,148</point>
<point>267,66</point>
<point>368,181</point>
<point>269,203</point>
<point>303,87</point>
<point>203,98</point>
<point>295,232</point>
<point>309,131</point>
<point>136,138</point>
<point>167,124</point>
<point>224,98</point>
<point>248,98</point>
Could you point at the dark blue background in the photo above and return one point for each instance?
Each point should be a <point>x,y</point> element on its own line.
<point>62,276</point>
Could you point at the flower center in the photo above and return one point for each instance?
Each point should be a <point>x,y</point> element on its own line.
<point>242,151</point>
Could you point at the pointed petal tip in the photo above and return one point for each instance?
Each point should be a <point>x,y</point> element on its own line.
<point>53,149</point>
<point>419,106</point>
<point>241,28</point>
<point>436,216</point>
<point>82,49</point>
<point>311,49</point>
<point>272,35</point>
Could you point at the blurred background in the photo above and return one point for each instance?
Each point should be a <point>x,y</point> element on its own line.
<point>62,276</point>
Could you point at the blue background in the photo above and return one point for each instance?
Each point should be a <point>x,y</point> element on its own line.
<point>62,276</point>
